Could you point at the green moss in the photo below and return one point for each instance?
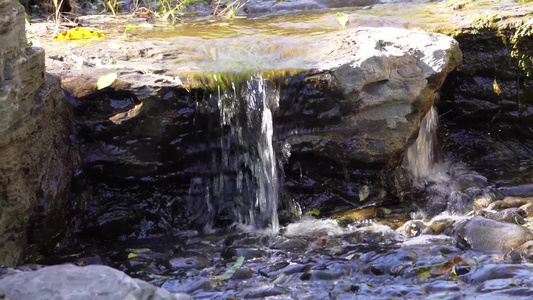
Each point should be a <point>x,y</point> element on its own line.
<point>489,21</point>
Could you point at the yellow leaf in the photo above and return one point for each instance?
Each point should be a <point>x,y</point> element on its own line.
<point>139,250</point>
<point>106,80</point>
<point>423,276</point>
<point>386,211</point>
<point>342,19</point>
<point>132,255</point>
<point>496,87</point>
<point>79,33</point>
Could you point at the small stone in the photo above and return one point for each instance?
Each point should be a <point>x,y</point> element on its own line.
<point>514,255</point>
<point>187,285</point>
<point>528,208</point>
<point>243,273</point>
<point>517,201</point>
<point>526,250</point>
<point>413,227</point>
<point>510,215</point>
<point>481,203</point>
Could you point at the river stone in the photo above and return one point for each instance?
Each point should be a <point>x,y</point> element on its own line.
<point>484,234</point>
<point>73,282</point>
<point>528,208</point>
<point>38,153</point>
<point>510,215</point>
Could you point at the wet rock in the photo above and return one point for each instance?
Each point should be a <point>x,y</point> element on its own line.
<point>248,253</point>
<point>189,285</point>
<point>293,244</point>
<point>498,271</point>
<point>38,153</point>
<point>510,215</point>
<point>243,274</point>
<point>517,201</point>
<point>72,282</point>
<point>262,292</point>
<point>481,203</point>
<point>528,209</point>
<point>526,250</point>
<point>485,234</point>
<point>188,262</point>
<point>524,190</point>
<point>496,205</point>
<point>413,227</point>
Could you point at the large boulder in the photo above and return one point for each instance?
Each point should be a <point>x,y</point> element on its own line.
<point>174,140</point>
<point>38,152</point>
<point>73,282</point>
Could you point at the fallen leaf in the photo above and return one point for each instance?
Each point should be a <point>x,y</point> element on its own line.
<point>139,250</point>
<point>79,33</point>
<point>280,277</point>
<point>342,19</point>
<point>314,212</point>
<point>386,211</point>
<point>424,275</point>
<point>106,80</point>
<point>230,271</point>
<point>496,87</point>
<point>123,116</point>
<point>132,255</point>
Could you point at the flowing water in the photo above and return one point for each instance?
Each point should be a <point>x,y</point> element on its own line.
<point>247,150</point>
<point>387,257</point>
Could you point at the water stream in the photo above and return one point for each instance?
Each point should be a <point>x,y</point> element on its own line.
<point>247,150</point>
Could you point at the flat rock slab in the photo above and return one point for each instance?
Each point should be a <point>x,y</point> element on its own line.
<point>72,282</point>
<point>167,59</point>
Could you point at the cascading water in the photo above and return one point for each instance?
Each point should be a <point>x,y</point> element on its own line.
<point>248,171</point>
<point>422,158</point>
<point>446,186</point>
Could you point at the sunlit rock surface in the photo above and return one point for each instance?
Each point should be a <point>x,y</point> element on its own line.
<point>38,153</point>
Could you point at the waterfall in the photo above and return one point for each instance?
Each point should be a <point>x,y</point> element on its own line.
<point>248,163</point>
<point>445,185</point>
<point>422,158</point>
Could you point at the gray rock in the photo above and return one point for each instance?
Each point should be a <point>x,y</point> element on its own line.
<point>73,282</point>
<point>38,156</point>
<point>484,234</point>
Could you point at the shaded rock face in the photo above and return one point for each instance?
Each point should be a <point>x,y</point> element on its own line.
<point>485,129</point>
<point>73,282</point>
<point>38,154</point>
<point>345,122</point>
